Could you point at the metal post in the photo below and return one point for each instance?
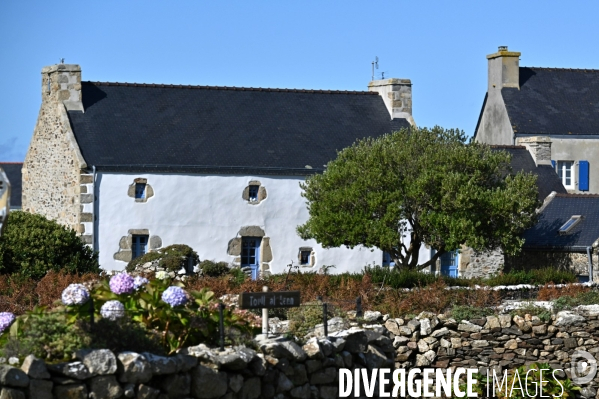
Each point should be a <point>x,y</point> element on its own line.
<point>325,322</point>
<point>221,308</point>
<point>265,315</point>
<point>359,307</point>
<point>91,313</point>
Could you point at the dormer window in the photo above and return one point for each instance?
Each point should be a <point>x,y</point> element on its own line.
<point>253,192</point>
<point>569,225</point>
<point>140,190</point>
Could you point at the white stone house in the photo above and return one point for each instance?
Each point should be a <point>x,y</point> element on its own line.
<point>137,167</point>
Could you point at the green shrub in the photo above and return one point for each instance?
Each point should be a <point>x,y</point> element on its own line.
<point>304,318</point>
<point>238,276</point>
<point>172,258</point>
<point>467,312</point>
<point>533,310</point>
<point>211,268</point>
<point>406,278</point>
<point>48,336</point>
<point>124,335</point>
<point>568,302</point>
<point>32,245</point>
<point>535,276</point>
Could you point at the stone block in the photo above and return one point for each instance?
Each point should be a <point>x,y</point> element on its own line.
<point>71,391</point>
<point>251,231</point>
<point>40,389</point>
<point>10,393</point>
<point>207,383</point>
<point>234,248</point>
<point>104,387</point>
<point>86,217</point>
<point>155,242</point>
<point>86,198</point>
<point>35,368</point>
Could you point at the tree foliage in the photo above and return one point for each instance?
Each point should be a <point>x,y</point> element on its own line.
<point>32,245</point>
<point>419,186</point>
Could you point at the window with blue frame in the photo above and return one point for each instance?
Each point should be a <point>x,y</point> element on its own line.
<point>139,245</point>
<point>253,192</point>
<point>449,264</point>
<point>250,254</point>
<point>140,190</point>
<point>305,257</point>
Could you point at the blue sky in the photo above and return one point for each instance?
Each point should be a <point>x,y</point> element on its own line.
<point>439,45</point>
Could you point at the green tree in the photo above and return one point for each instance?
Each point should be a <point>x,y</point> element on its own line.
<point>32,245</point>
<point>425,185</point>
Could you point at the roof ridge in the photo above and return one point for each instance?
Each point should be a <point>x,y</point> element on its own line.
<point>577,195</point>
<point>562,69</point>
<point>158,85</point>
<point>515,147</point>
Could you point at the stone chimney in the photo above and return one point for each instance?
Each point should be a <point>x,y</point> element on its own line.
<point>62,83</point>
<point>397,95</point>
<point>539,147</point>
<point>504,69</point>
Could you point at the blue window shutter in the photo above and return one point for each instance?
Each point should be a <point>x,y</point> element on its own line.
<point>583,175</point>
<point>553,163</point>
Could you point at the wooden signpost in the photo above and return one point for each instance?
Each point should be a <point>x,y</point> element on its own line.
<point>268,300</point>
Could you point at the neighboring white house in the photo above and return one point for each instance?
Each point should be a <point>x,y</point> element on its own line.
<point>137,167</point>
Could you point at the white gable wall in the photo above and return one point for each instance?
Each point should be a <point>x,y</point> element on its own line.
<point>207,211</point>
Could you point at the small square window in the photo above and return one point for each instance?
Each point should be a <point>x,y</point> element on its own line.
<point>140,190</point>
<point>387,260</point>
<point>305,257</point>
<point>139,245</point>
<point>253,192</point>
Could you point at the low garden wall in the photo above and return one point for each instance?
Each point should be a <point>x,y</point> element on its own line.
<point>281,368</point>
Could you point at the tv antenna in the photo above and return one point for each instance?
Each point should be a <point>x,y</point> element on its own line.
<point>375,63</point>
<point>62,60</point>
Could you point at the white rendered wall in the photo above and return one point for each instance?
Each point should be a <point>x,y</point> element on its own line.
<point>206,211</point>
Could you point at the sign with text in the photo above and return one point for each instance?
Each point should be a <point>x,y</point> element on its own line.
<point>267,300</point>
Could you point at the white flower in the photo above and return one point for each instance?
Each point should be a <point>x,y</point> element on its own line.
<point>112,310</point>
<point>75,294</point>
<point>161,275</point>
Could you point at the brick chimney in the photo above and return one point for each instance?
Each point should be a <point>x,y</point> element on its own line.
<point>504,69</point>
<point>397,95</point>
<point>539,147</point>
<point>62,83</point>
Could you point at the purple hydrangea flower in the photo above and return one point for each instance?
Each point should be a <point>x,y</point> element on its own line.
<point>174,296</point>
<point>75,294</point>
<point>6,319</point>
<point>112,310</point>
<point>122,283</point>
<point>139,282</point>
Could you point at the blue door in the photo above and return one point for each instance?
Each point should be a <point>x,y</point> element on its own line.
<point>449,264</point>
<point>387,261</point>
<point>250,254</point>
<point>140,245</point>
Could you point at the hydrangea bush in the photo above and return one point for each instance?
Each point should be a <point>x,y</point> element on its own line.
<point>6,319</point>
<point>75,294</point>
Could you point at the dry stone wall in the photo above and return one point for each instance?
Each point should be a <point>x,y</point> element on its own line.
<point>280,368</point>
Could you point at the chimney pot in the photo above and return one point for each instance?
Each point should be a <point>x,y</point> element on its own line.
<point>502,48</point>
<point>504,69</point>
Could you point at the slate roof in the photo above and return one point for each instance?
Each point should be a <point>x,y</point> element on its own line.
<point>13,171</point>
<point>544,235</point>
<point>222,130</point>
<point>547,179</point>
<point>554,101</point>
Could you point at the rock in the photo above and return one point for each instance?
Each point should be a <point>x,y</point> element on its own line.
<point>235,382</point>
<point>505,320</point>
<point>312,349</point>
<point>566,318</point>
<point>392,326</point>
<point>300,376</point>
<point>13,361</point>
<point>186,362</point>
<point>370,316</point>
<point>98,362</point>
<point>284,349</point>
<point>129,390</point>
<point>76,370</point>
<point>133,368</point>
<point>40,389</point>
<point>104,387</point>
<point>258,366</point>
<point>399,341</point>
<point>421,361</point>
<point>511,344</point>
<point>237,360</point>
<point>422,346</point>
<point>301,392</point>
<point>207,383</point>
<point>314,365</point>
<point>444,343</point>
<point>405,331</point>
<point>469,327</point>
<point>479,343</point>
<point>540,329</point>
<point>9,393</point>
<point>161,365</point>
<point>413,325</point>
<point>35,368</point>
<point>492,322</point>
<point>338,343</point>
<point>326,346</point>
<point>178,385</point>
<point>425,327</point>
<point>333,325</point>
<point>326,377</point>
<point>327,392</point>
<point>375,358</point>
<point>147,392</point>
<point>456,343</point>
<point>284,384</point>
<point>73,391</point>
<point>440,332</point>
<point>251,389</point>
<point>356,342</point>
